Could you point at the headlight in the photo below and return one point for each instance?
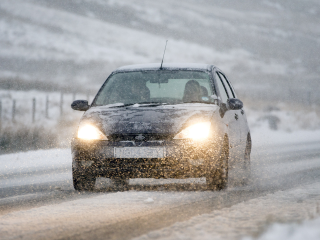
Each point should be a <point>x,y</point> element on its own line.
<point>89,132</point>
<point>197,131</point>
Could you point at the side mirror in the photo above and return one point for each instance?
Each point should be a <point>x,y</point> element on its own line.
<point>234,104</point>
<point>80,105</point>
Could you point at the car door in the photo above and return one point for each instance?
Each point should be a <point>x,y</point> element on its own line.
<point>242,119</point>
<point>230,117</point>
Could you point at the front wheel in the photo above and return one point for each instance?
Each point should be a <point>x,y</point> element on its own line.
<point>218,177</point>
<point>83,182</point>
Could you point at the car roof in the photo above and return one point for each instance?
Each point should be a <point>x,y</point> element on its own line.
<point>155,66</point>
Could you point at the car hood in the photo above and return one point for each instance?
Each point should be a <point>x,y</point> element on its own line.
<point>164,119</point>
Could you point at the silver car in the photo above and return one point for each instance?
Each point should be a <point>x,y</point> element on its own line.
<point>178,121</point>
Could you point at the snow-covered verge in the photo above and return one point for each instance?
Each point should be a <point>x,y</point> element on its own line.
<point>35,167</point>
<point>287,126</point>
<point>308,229</point>
<point>250,217</point>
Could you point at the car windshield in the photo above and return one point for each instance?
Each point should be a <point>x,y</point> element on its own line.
<point>156,87</point>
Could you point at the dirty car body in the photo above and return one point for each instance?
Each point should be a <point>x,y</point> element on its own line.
<point>180,121</point>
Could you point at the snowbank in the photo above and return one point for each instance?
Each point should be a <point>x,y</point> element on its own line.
<point>309,230</point>
<point>281,127</point>
<point>251,217</point>
<point>24,162</point>
<point>34,167</point>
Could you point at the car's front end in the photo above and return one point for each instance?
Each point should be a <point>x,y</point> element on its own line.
<point>155,154</point>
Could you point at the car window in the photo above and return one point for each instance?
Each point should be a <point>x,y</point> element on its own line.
<point>231,87</point>
<point>171,87</point>
<point>227,85</point>
<point>223,93</point>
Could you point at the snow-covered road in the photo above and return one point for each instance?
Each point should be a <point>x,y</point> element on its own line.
<point>37,200</point>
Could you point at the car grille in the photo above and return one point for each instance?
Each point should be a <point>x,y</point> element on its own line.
<point>139,137</point>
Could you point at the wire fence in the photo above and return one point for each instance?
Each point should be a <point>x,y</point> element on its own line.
<point>28,109</point>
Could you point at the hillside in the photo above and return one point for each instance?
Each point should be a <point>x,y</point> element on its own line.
<point>70,43</point>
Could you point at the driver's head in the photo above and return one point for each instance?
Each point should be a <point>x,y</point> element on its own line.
<point>191,91</point>
<point>138,90</point>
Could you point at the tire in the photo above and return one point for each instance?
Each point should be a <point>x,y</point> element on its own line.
<point>218,177</point>
<point>120,183</point>
<point>83,182</point>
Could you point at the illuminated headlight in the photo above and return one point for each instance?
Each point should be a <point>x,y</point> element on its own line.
<point>199,131</point>
<point>89,132</point>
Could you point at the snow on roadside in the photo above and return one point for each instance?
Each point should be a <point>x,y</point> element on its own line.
<point>263,136</point>
<point>276,127</point>
<point>35,167</point>
<point>306,230</point>
<point>24,162</point>
<point>247,218</point>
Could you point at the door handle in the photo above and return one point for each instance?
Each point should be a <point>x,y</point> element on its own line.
<point>236,116</point>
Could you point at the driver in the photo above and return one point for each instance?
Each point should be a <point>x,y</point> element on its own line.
<point>138,91</point>
<point>191,91</point>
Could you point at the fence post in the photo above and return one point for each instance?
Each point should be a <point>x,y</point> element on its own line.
<point>13,109</point>
<point>61,103</point>
<point>47,107</point>
<point>33,109</point>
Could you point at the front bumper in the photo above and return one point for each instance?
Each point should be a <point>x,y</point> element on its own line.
<point>182,158</point>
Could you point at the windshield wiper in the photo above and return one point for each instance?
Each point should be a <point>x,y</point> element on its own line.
<point>151,103</point>
<point>198,102</point>
<point>124,105</point>
<point>140,103</point>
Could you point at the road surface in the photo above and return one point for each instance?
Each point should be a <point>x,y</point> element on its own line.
<point>37,200</point>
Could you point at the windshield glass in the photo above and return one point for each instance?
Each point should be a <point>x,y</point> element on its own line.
<point>170,87</point>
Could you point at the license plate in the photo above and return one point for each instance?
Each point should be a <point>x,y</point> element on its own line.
<point>139,152</point>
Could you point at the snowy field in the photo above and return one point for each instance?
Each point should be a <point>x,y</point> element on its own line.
<point>88,39</point>
<point>257,43</point>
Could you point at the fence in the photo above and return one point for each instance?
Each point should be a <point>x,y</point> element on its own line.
<point>27,108</point>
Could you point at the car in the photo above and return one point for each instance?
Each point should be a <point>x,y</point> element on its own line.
<point>171,121</point>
